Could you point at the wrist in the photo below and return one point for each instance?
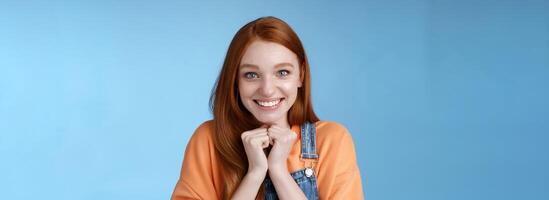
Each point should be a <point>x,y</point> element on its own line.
<point>256,174</point>
<point>279,168</point>
<point>258,168</point>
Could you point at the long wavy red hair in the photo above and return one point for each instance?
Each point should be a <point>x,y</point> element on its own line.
<point>231,118</point>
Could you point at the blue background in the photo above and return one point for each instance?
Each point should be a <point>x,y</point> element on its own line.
<point>444,99</point>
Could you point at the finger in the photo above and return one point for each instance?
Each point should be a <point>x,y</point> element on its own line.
<point>265,144</point>
<point>257,130</point>
<point>260,140</point>
<point>273,135</point>
<point>275,126</point>
<point>253,139</point>
<point>282,136</point>
<point>254,132</point>
<point>278,128</point>
<point>259,134</point>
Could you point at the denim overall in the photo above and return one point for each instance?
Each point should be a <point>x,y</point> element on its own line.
<point>305,177</point>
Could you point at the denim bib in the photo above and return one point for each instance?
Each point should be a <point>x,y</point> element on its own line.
<point>305,177</point>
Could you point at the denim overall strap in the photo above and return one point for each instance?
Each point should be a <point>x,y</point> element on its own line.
<point>305,178</point>
<point>308,141</point>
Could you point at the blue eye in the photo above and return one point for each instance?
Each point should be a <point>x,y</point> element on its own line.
<point>251,75</point>
<point>283,73</point>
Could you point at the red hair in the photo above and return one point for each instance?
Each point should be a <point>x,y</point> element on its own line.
<point>230,116</point>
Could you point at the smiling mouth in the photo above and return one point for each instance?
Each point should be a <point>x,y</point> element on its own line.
<point>270,104</point>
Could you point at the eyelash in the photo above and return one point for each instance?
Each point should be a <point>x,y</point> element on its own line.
<point>252,75</point>
<point>283,75</point>
<point>248,74</point>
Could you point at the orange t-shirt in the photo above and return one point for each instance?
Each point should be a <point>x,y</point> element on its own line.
<point>337,172</point>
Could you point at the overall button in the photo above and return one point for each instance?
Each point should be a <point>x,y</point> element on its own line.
<point>308,172</point>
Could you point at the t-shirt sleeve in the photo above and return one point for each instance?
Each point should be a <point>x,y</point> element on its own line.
<point>347,181</point>
<point>196,177</point>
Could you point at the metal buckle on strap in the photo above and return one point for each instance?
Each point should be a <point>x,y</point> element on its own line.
<point>310,164</point>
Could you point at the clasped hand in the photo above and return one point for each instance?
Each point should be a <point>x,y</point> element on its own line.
<point>282,141</point>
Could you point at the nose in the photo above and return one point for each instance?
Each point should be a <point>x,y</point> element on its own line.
<point>267,87</point>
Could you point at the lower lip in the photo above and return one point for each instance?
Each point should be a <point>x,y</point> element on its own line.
<point>269,108</point>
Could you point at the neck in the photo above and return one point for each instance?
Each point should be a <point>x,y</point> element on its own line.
<point>282,123</point>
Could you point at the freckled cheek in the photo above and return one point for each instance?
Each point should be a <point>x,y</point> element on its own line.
<point>289,87</point>
<point>247,90</point>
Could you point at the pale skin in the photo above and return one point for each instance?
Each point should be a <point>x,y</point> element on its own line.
<point>268,80</point>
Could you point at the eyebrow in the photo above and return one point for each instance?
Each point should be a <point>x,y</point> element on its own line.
<point>276,66</point>
<point>249,66</point>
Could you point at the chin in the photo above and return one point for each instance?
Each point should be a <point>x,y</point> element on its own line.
<point>268,119</point>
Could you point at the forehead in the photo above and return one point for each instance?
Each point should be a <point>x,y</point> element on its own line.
<point>267,54</point>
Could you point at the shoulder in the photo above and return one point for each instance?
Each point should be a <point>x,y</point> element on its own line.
<point>331,129</point>
<point>204,132</point>
<point>205,127</point>
<point>201,143</point>
<point>335,145</point>
<point>333,134</point>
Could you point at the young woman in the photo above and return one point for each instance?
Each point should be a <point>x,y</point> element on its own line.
<point>265,141</point>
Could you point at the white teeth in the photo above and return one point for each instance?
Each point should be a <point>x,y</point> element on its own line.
<point>268,103</point>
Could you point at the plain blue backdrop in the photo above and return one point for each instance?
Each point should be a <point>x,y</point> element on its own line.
<point>444,99</point>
